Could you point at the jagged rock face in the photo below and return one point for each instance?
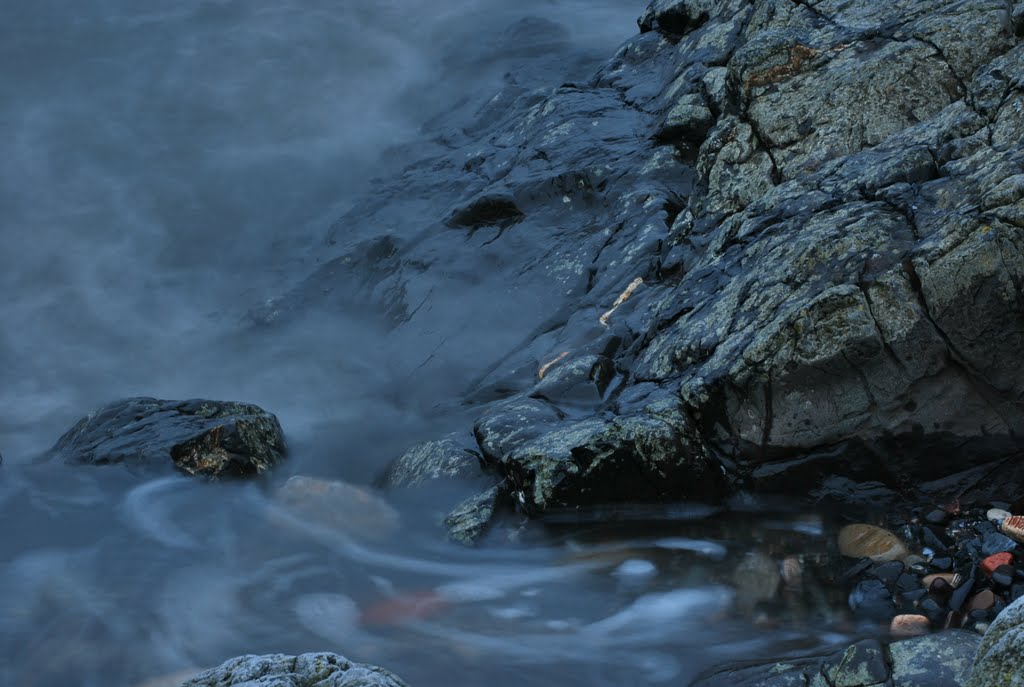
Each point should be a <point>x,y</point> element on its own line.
<point>207,438</point>
<point>823,202</point>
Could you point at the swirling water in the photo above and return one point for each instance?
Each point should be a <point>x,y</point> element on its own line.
<point>166,165</point>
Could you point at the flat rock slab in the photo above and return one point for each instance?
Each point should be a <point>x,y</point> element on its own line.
<point>939,660</point>
<point>307,670</point>
<point>208,438</point>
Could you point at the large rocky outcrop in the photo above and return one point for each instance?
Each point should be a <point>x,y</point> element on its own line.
<point>941,660</point>
<point>208,438</point>
<point>769,242</point>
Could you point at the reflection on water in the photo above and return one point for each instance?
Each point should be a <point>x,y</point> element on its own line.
<point>110,580</point>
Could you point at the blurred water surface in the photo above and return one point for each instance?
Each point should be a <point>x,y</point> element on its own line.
<point>164,167</point>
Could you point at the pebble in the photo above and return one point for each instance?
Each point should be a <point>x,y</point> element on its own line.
<point>997,515</point>
<point>994,542</point>
<point>909,625</point>
<point>1013,527</point>
<point>868,541</point>
<point>792,573</point>
<point>1003,575</point>
<point>889,572</point>
<point>346,507</point>
<point>989,565</point>
<point>952,579</point>
<point>982,601</point>
<point>943,563</point>
<point>756,579</point>
<point>872,599</point>
<point>937,517</point>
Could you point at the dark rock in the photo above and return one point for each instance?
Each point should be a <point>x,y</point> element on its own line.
<point>1003,575</point>
<point>471,519</point>
<point>995,542</point>
<point>938,660</point>
<point>871,599</point>
<point>942,564</point>
<point>888,573</point>
<point>434,460</point>
<point>208,438</point>
<point>823,203</point>
<point>937,516</point>
<point>307,670</point>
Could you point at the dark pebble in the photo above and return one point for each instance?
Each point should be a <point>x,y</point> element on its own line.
<point>981,615</point>
<point>914,596</point>
<point>1003,575</point>
<point>995,542</point>
<point>1016,592</point>
<point>908,582</point>
<point>888,573</point>
<point>940,588</point>
<point>933,609</point>
<point>956,601</point>
<point>942,564</point>
<point>871,599</point>
<point>937,517</point>
<point>856,569</point>
<point>933,540</point>
<point>985,528</point>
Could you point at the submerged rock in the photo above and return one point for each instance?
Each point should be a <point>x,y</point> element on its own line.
<point>306,670</point>
<point>339,506</point>
<point>198,437</point>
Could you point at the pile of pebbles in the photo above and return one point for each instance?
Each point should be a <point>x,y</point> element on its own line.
<point>940,568</point>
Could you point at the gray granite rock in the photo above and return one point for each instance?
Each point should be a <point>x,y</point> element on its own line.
<point>1000,659</point>
<point>307,670</point>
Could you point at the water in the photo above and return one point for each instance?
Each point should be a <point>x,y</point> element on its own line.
<point>165,166</point>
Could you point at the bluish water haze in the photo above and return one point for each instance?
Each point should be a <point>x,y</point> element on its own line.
<point>165,167</point>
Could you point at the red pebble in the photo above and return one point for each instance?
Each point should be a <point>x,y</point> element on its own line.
<point>989,565</point>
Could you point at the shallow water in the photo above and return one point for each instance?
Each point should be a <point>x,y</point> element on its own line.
<point>165,167</point>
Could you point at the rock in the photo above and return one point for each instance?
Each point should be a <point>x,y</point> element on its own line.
<point>306,670</point>
<point>983,601</point>
<point>1000,658</point>
<point>470,520</point>
<point>756,579</point>
<point>207,438</point>
<point>868,541</point>
<point>338,505</point>
<point>909,625</point>
<point>823,202</point>
<point>1003,575</point>
<point>871,599</point>
<point>1013,527</point>
<point>443,459</point>
<point>938,660</point>
<point>989,565</point>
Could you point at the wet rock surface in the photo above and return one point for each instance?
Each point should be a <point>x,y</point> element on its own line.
<point>307,670</point>
<point>942,660</point>
<point>769,246</point>
<point>1000,660</point>
<point>198,437</point>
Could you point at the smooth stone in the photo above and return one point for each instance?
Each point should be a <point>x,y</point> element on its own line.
<point>952,579</point>
<point>989,565</point>
<point>983,600</point>
<point>338,505</point>
<point>1003,575</point>
<point>868,541</point>
<point>1013,527</point>
<point>909,625</point>
<point>997,515</point>
<point>756,579</point>
<point>994,542</point>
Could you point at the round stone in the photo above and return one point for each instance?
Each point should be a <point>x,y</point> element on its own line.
<point>997,515</point>
<point>909,625</point>
<point>868,541</point>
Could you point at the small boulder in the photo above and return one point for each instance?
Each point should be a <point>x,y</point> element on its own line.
<point>307,670</point>
<point>208,438</point>
<point>1000,659</point>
